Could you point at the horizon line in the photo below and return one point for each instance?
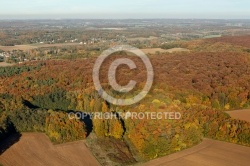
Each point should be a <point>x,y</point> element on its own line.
<point>124,18</point>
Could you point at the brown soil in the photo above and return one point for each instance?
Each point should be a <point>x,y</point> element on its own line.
<point>4,64</point>
<point>142,38</point>
<point>155,50</point>
<point>36,149</point>
<point>240,114</point>
<point>208,153</point>
<point>17,47</point>
<point>34,46</point>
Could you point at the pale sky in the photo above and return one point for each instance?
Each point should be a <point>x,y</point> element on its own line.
<point>227,9</point>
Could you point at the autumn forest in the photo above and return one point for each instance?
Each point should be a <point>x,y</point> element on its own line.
<point>213,77</point>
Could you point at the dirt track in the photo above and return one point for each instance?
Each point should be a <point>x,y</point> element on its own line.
<point>35,149</point>
<point>240,114</point>
<point>208,153</point>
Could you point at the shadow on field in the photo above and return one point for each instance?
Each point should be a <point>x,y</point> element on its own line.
<point>9,141</point>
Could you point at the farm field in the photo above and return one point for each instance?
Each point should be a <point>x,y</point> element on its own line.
<point>208,153</point>
<point>160,50</point>
<point>240,114</point>
<point>34,46</point>
<point>36,149</point>
<point>142,38</point>
<point>4,64</point>
<point>55,45</point>
<point>17,47</point>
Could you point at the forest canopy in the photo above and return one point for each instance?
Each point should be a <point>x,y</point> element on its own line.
<point>199,84</point>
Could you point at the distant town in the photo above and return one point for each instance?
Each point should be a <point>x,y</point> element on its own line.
<point>48,39</point>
